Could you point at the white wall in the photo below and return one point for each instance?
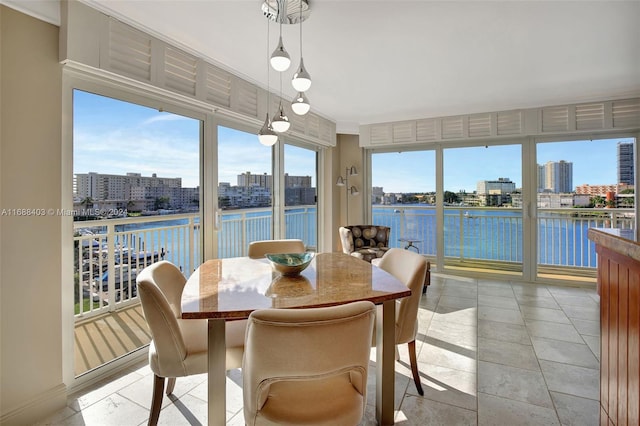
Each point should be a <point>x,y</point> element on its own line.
<point>30,245</point>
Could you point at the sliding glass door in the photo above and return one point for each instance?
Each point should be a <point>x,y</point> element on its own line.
<point>482,202</point>
<point>301,194</point>
<point>245,187</point>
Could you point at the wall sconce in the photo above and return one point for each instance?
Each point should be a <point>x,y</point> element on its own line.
<point>351,190</point>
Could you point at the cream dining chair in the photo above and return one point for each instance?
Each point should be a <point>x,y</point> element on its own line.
<point>257,249</point>
<point>178,347</point>
<point>307,366</point>
<point>411,269</point>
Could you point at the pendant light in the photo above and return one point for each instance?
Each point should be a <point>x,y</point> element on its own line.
<point>301,80</point>
<point>280,122</point>
<point>280,59</point>
<point>266,135</point>
<point>300,104</point>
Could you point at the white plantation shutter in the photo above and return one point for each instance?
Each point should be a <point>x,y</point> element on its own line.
<point>218,86</point>
<point>129,51</point>
<point>246,100</point>
<point>626,113</point>
<point>381,134</point>
<point>509,123</point>
<point>590,116</point>
<point>180,71</point>
<point>426,130</point>
<point>480,125</point>
<point>452,128</point>
<point>555,119</point>
<point>404,132</point>
<point>313,125</point>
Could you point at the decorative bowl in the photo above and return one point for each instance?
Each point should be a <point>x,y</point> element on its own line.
<point>289,264</point>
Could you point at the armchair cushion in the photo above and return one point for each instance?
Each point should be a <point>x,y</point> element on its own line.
<point>365,242</point>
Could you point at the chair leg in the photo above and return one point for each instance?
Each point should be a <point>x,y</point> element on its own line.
<point>414,366</point>
<point>171,383</point>
<point>156,401</point>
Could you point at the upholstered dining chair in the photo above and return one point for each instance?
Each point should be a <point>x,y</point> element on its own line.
<point>365,242</point>
<point>307,366</point>
<point>411,269</point>
<point>257,249</point>
<point>178,347</point>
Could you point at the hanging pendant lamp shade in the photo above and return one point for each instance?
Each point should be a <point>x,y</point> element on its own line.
<point>280,122</point>
<point>301,79</point>
<point>300,104</point>
<point>266,135</point>
<point>280,59</point>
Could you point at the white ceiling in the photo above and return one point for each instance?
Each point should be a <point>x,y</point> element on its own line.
<point>377,61</point>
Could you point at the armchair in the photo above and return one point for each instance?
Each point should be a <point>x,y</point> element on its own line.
<point>365,242</point>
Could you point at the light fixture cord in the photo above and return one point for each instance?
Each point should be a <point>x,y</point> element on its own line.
<point>300,29</point>
<point>268,91</point>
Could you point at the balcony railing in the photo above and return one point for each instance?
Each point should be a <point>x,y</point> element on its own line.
<point>496,234</point>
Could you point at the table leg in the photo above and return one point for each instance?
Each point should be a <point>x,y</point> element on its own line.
<point>385,363</point>
<point>217,377</point>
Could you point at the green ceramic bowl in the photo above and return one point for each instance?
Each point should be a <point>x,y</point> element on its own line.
<point>289,263</point>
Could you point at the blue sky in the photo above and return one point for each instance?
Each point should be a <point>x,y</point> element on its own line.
<point>116,137</point>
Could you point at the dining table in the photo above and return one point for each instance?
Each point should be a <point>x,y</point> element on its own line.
<point>221,290</point>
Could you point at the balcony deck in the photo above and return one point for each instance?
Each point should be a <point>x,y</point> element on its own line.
<point>103,338</point>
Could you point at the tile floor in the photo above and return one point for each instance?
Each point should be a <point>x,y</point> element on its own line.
<point>490,353</point>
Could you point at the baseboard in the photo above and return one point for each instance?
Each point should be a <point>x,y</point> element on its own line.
<point>38,408</point>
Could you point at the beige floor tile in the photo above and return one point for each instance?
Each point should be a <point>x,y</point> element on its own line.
<point>416,411</point>
<point>544,314</point>
<point>498,301</point>
<point>576,411</point>
<point>497,411</point>
<point>572,380</point>
<point>553,330</point>
<point>513,383</point>
<point>455,334</point>
<point>539,301</point>
<point>505,332</point>
<point>449,386</point>
<point>566,352</point>
<point>506,353</point>
<point>500,315</point>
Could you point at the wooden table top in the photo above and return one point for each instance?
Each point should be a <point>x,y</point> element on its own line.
<point>233,288</point>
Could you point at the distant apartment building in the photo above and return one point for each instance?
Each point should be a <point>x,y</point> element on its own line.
<point>556,177</point>
<point>99,186</point>
<point>601,190</point>
<point>266,181</point>
<point>133,191</point>
<point>247,179</point>
<point>254,190</point>
<point>495,192</point>
<point>625,163</point>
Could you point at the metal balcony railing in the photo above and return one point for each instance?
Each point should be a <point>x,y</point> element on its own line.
<point>496,234</point>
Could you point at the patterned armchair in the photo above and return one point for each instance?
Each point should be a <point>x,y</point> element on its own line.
<point>366,242</point>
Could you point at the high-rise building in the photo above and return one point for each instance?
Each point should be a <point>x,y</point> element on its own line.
<point>625,163</point>
<point>556,177</point>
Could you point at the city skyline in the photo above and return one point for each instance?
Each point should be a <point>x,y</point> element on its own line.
<point>117,137</point>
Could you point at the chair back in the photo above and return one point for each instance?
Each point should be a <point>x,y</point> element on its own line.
<point>411,269</point>
<point>257,249</point>
<point>168,350</point>
<point>366,242</point>
<point>298,346</point>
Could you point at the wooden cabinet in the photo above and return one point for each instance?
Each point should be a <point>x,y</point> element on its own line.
<point>619,289</point>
